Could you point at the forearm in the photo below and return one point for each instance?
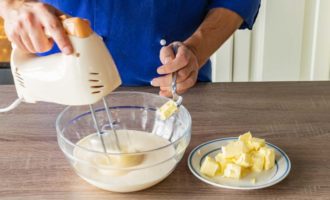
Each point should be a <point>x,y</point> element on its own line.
<point>217,27</point>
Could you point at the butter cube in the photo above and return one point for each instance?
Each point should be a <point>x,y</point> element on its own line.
<point>122,161</point>
<point>234,149</point>
<point>256,143</point>
<point>209,167</point>
<point>222,161</point>
<point>246,137</point>
<point>119,161</point>
<point>220,158</point>
<point>245,171</point>
<point>258,161</point>
<point>243,160</point>
<point>167,110</point>
<point>269,155</point>
<point>233,171</point>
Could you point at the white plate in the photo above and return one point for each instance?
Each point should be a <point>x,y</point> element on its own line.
<point>263,179</point>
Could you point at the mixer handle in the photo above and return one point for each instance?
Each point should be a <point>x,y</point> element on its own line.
<point>74,26</point>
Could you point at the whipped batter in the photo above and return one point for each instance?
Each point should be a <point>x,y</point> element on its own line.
<point>125,173</point>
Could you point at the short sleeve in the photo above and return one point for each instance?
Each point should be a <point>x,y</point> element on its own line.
<point>247,9</point>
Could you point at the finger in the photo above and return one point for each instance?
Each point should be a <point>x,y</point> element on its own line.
<point>59,13</point>
<point>25,38</point>
<point>53,25</point>
<point>180,61</point>
<point>184,73</point>
<point>166,54</point>
<point>38,38</point>
<point>166,80</point>
<point>181,87</point>
<point>60,37</point>
<point>165,93</point>
<point>16,39</point>
<point>165,88</point>
<point>188,83</point>
<point>162,81</point>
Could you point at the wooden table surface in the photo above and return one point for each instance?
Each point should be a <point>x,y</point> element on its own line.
<point>294,116</point>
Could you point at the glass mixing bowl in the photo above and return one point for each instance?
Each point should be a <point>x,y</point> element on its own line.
<point>133,112</point>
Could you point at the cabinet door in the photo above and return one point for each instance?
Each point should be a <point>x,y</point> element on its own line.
<point>5,47</point>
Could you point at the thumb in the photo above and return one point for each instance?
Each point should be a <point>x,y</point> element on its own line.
<point>166,54</point>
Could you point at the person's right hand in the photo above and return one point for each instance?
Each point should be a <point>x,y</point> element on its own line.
<point>25,26</point>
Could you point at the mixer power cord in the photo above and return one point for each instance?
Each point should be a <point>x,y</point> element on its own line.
<point>12,106</point>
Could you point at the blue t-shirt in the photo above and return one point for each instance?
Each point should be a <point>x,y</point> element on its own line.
<point>132,29</point>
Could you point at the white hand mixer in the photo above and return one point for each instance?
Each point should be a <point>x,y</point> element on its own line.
<point>83,78</point>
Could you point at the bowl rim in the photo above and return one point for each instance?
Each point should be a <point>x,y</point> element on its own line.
<point>60,134</point>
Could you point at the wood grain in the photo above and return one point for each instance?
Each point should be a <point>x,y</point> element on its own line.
<point>294,116</point>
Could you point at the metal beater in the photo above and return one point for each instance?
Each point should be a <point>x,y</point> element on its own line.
<point>99,132</point>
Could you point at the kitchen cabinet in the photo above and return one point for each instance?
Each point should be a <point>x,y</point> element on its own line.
<point>5,50</point>
<point>5,47</point>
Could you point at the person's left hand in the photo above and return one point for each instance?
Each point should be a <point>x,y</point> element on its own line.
<point>185,63</point>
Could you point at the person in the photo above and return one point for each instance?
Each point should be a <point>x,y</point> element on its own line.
<point>139,34</point>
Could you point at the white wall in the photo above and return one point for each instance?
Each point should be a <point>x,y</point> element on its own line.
<point>290,42</point>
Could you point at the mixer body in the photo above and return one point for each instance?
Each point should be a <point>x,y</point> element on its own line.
<point>82,78</point>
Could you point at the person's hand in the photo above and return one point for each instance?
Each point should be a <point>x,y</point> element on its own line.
<point>25,26</point>
<point>184,63</point>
